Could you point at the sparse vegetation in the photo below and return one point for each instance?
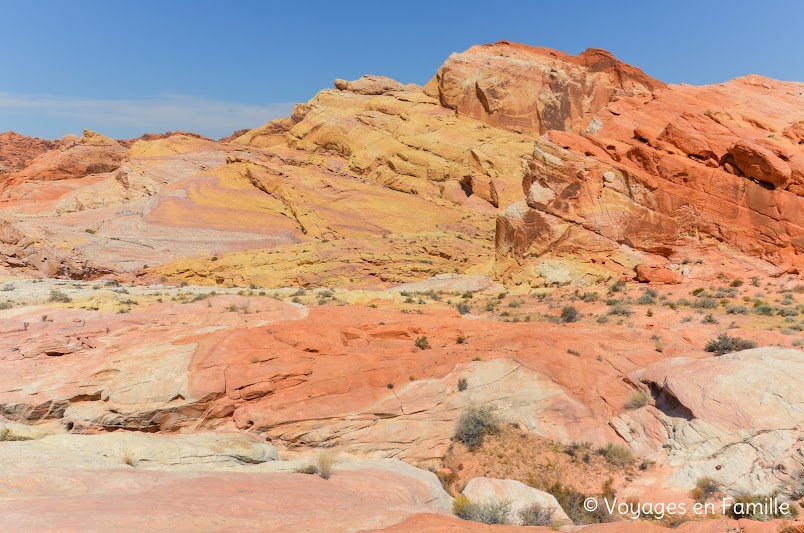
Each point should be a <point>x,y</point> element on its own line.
<point>569,314</point>
<point>474,424</point>
<point>536,514</point>
<point>571,500</point>
<point>325,462</point>
<point>462,384</point>
<point>422,343</point>
<point>56,296</point>
<point>618,286</point>
<point>646,299</point>
<point>7,436</point>
<point>128,458</point>
<point>620,310</point>
<point>705,303</point>
<point>725,343</point>
<point>617,455</point>
<point>463,308</point>
<point>709,319</point>
<point>753,506</point>
<point>736,310</point>
<point>309,469</point>
<point>637,399</point>
<point>705,489</point>
<point>490,512</point>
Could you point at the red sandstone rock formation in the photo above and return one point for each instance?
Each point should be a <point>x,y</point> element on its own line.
<point>16,150</point>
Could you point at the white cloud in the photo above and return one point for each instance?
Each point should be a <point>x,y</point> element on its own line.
<point>135,116</point>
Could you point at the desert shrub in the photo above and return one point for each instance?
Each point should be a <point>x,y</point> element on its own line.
<point>763,309</point>
<point>698,291</point>
<point>620,310</point>
<point>309,469</point>
<point>577,449</point>
<point>637,399</point>
<point>646,299</point>
<point>602,319</point>
<point>6,305</point>
<point>709,319</point>
<point>463,308</point>
<point>474,424</point>
<point>788,311</point>
<point>736,310</point>
<point>58,296</point>
<point>736,283</point>
<point>705,489</point>
<point>569,314</point>
<point>617,455</point>
<point>618,286</point>
<point>462,384</point>
<point>536,514</point>
<point>515,304</point>
<point>571,500</point>
<point>589,297</point>
<point>705,303</point>
<point>752,507</point>
<point>491,512</point>
<point>325,462</point>
<point>725,343</point>
<point>128,458</point>
<point>7,436</point>
<point>422,343</point>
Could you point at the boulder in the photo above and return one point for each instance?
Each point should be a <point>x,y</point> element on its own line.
<point>657,275</point>
<point>737,418</point>
<point>519,495</point>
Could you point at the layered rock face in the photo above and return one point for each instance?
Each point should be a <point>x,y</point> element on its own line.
<point>589,167</point>
<point>662,177</point>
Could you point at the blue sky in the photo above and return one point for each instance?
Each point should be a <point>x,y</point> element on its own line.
<point>124,68</point>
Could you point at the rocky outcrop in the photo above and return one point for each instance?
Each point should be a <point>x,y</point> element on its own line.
<point>187,482</point>
<point>531,90</point>
<point>76,157</point>
<point>737,418</point>
<point>664,176</point>
<point>16,151</point>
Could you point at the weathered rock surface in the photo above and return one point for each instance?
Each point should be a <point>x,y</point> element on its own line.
<point>531,90</point>
<point>666,175</point>
<point>253,364</point>
<point>737,418</point>
<point>198,482</point>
